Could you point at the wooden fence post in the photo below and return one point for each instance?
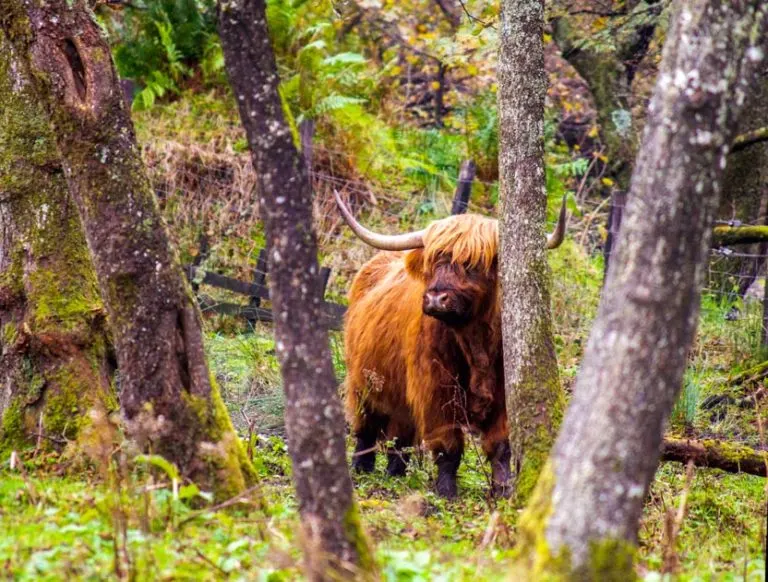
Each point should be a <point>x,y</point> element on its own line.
<point>259,276</point>
<point>463,187</point>
<point>202,254</point>
<point>615,214</point>
<point>307,134</point>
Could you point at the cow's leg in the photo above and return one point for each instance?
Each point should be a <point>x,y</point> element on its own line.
<point>402,433</point>
<point>499,454</point>
<point>447,452</point>
<point>370,426</point>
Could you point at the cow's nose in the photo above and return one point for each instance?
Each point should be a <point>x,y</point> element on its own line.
<point>436,300</point>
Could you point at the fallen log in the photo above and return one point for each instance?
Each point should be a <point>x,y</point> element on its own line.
<point>726,456</point>
<point>750,375</point>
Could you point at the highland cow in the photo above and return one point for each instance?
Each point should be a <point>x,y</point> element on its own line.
<point>423,346</point>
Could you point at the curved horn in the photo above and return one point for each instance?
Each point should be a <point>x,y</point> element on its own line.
<point>385,242</point>
<point>557,237</point>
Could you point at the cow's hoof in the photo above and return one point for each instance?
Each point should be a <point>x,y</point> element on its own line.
<point>501,490</point>
<point>396,465</point>
<point>364,463</point>
<point>447,488</point>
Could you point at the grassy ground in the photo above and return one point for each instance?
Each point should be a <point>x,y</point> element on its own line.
<point>65,527</point>
<point>127,523</point>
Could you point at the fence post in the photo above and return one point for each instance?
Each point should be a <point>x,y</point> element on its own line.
<point>463,187</point>
<point>306,134</point>
<point>615,214</point>
<point>259,276</point>
<point>202,254</point>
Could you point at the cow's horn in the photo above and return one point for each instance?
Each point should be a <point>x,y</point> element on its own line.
<point>557,237</point>
<point>385,242</point>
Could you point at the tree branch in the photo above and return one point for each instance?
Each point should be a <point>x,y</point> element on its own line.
<point>449,10</point>
<point>750,138</point>
<point>739,235</point>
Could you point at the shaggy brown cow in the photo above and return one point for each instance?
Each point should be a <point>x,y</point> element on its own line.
<point>423,346</point>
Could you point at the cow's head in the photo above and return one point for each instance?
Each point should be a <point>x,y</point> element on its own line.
<point>456,258</point>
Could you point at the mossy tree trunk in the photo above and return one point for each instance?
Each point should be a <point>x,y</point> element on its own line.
<point>55,364</point>
<point>334,544</point>
<point>168,399</point>
<point>534,395</point>
<point>584,514</point>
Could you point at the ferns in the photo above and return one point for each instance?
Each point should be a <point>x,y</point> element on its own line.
<point>160,43</point>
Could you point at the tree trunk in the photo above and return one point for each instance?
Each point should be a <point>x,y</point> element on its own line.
<point>534,395</point>
<point>169,402</point>
<point>584,514</point>
<point>334,543</point>
<point>54,366</point>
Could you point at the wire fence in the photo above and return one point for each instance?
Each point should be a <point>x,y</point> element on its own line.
<point>734,293</point>
<point>210,202</point>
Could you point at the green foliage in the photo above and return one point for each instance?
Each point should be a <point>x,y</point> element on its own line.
<point>316,79</point>
<point>687,404</point>
<point>162,43</point>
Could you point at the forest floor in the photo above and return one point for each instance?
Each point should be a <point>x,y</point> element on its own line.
<point>128,524</point>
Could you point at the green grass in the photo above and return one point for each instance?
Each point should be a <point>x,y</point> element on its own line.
<point>83,527</point>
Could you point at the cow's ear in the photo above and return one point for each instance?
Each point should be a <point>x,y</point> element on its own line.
<point>414,263</point>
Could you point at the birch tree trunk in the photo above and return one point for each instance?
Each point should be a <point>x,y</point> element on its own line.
<point>583,517</point>
<point>169,402</point>
<point>534,395</point>
<point>55,351</point>
<point>334,543</point>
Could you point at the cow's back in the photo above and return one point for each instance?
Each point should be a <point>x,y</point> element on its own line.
<point>383,300</point>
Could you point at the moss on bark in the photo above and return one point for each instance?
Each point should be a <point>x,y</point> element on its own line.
<point>54,361</point>
<point>610,560</point>
<point>167,398</point>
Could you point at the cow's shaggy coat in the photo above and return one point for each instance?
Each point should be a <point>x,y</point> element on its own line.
<point>416,376</point>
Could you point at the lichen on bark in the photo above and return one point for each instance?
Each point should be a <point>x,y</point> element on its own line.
<point>335,545</point>
<point>608,448</point>
<point>534,396</point>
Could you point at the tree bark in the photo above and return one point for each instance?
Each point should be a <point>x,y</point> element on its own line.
<point>534,395</point>
<point>54,366</point>
<point>169,402</point>
<point>584,514</point>
<point>745,191</point>
<point>334,543</point>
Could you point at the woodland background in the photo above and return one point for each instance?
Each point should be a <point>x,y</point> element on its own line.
<point>388,99</point>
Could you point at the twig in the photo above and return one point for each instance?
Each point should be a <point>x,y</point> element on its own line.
<point>674,522</point>
<point>210,562</point>
<point>749,139</point>
<point>223,505</point>
<point>590,218</point>
<point>475,18</point>
<point>490,532</point>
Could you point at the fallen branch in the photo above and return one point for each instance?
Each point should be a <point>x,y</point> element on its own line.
<point>750,138</point>
<point>730,457</point>
<point>750,375</point>
<point>739,235</point>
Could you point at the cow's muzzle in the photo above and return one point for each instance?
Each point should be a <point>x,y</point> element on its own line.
<point>444,306</point>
